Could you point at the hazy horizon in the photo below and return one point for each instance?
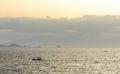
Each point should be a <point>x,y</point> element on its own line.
<point>89,31</point>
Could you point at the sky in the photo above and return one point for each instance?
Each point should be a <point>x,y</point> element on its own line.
<point>69,23</point>
<point>58,8</point>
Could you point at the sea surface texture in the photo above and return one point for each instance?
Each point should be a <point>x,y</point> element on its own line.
<point>60,61</point>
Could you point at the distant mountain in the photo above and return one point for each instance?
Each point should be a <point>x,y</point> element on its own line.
<point>11,45</point>
<point>14,45</point>
<point>1,45</point>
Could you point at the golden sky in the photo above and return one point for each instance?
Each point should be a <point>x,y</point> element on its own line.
<point>58,8</point>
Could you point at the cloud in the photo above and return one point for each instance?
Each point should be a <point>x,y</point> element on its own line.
<point>6,30</point>
<point>71,31</point>
<point>88,31</point>
<point>115,29</point>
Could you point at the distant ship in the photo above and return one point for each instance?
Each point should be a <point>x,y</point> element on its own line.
<point>58,46</point>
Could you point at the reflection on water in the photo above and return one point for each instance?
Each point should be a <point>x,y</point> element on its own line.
<point>60,61</point>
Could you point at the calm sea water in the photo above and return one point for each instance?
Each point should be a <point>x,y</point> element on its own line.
<point>60,61</point>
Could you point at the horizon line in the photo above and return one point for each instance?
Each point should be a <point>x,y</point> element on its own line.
<point>50,17</point>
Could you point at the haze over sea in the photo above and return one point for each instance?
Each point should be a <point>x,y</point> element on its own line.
<point>60,60</point>
<point>85,35</point>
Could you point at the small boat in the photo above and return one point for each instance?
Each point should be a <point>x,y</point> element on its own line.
<point>37,58</point>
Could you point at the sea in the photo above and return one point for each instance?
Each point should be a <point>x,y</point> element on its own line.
<point>59,60</point>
